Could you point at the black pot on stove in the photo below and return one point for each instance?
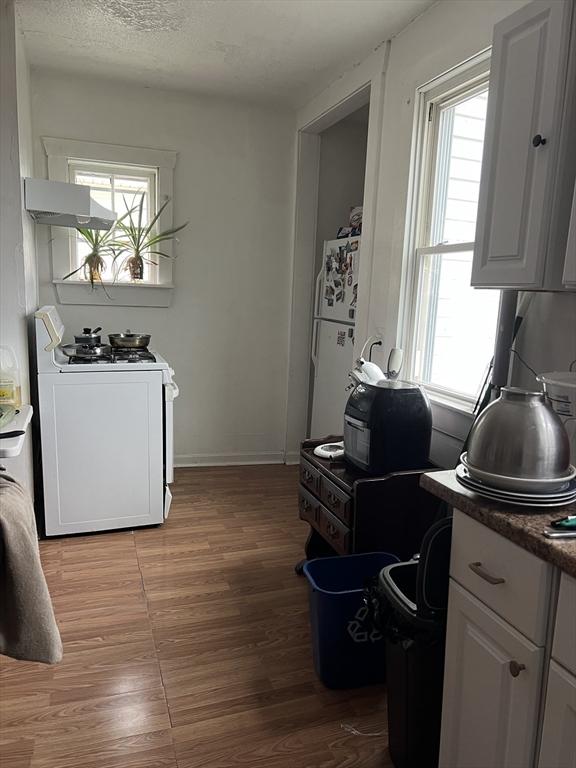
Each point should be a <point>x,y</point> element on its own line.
<point>88,337</point>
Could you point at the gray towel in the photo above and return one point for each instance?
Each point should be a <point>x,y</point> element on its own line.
<point>28,629</point>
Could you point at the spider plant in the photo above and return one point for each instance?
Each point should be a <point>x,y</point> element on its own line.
<point>141,241</point>
<point>101,243</point>
<point>94,263</point>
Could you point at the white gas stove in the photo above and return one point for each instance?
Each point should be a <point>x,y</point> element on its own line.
<point>107,435</point>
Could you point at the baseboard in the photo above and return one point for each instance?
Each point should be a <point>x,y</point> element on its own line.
<point>292,457</point>
<point>227,459</point>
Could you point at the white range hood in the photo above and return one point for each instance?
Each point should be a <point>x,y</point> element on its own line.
<point>65,205</point>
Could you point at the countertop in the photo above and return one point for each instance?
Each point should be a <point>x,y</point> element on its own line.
<point>522,525</point>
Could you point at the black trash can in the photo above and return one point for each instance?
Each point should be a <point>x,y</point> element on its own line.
<point>348,650</point>
<point>416,597</point>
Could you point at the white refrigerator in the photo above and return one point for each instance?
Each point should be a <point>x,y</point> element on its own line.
<point>333,334</point>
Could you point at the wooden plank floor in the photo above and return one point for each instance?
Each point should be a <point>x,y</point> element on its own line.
<point>187,645</point>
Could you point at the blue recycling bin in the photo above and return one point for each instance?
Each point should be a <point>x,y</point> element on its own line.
<point>348,650</point>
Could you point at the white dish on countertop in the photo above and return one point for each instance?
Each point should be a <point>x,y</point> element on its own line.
<point>536,500</point>
<point>519,484</point>
<point>567,492</point>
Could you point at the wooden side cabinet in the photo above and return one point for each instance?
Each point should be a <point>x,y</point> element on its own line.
<point>350,512</point>
<point>529,158</point>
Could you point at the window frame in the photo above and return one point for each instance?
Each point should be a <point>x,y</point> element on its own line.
<point>448,87</point>
<point>116,169</point>
<point>59,153</point>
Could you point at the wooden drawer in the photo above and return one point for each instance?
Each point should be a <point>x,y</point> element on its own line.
<point>512,582</point>
<point>308,506</point>
<point>310,477</point>
<point>334,531</point>
<point>336,500</point>
<point>564,648</point>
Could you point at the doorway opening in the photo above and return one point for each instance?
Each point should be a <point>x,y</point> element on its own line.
<point>337,254</point>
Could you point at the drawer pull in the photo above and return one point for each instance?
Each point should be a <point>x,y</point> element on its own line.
<point>479,570</point>
<point>516,668</point>
<point>332,531</point>
<point>333,500</point>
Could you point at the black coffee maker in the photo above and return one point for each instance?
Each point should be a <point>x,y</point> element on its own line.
<point>387,427</point>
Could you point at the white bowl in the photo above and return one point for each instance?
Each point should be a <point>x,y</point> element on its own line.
<point>529,484</point>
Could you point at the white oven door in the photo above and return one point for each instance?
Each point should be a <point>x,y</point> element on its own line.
<point>101,436</point>
<point>171,392</point>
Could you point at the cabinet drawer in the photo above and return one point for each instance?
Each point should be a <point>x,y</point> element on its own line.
<point>564,648</point>
<point>514,583</point>
<point>310,477</point>
<point>334,531</point>
<point>336,500</point>
<point>308,506</point>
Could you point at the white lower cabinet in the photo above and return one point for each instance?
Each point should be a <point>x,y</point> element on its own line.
<point>558,748</point>
<point>492,685</point>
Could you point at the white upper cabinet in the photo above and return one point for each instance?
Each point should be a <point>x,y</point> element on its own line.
<point>529,153</point>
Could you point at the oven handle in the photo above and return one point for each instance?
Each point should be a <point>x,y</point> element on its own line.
<point>172,390</point>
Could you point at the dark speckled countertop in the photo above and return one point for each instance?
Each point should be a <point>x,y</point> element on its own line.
<point>522,525</point>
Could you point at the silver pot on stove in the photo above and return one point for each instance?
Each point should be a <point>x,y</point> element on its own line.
<point>129,340</point>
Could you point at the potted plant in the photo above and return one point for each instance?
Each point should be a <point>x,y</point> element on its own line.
<point>94,264</point>
<point>140,241</point>
<point>102,244</point>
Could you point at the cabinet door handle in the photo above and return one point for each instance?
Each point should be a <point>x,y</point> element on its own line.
<point>479,570</point>
<point>538,140</point>
<point>516,668</point>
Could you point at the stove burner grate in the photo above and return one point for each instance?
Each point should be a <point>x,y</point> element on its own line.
<point>115,356</point>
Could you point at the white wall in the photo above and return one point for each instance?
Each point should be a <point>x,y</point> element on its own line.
<point>18,297</point>
<point>439,39</point>
<point>225,333</point>
<point>341,180</point>
<point>547,337</point>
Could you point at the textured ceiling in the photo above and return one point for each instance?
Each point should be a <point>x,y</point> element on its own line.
<point>284,51</point>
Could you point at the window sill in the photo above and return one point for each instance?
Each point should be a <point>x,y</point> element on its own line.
<point>451,403</point>
<point>115,294</point>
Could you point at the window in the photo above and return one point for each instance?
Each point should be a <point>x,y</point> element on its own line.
<point>451,326</point>
<point>112,171</point>
<point>118,188</point>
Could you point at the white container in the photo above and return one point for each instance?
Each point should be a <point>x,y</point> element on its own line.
<point>560,389</point>
<point>10,392</point>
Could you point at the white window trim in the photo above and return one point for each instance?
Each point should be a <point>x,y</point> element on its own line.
<point>148,172</point>
<point>59,152</point>
<point>464,75</point>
